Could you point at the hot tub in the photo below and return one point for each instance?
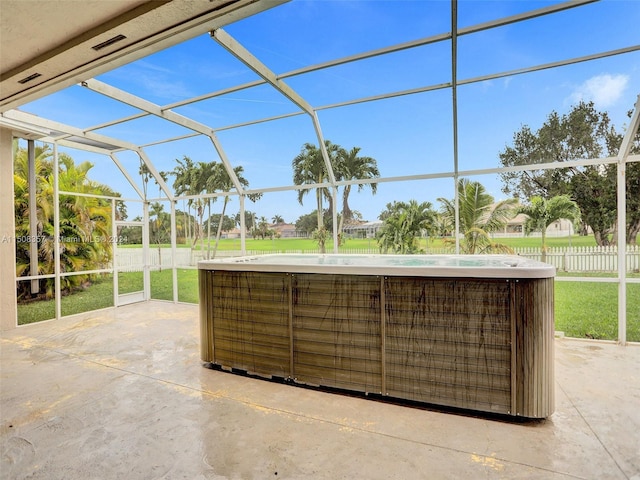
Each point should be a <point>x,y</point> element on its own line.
<point>467,331</point>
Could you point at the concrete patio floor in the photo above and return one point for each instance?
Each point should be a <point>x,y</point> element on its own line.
<point>122,394</point>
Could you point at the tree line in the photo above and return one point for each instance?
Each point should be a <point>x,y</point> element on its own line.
<point>583,133</point>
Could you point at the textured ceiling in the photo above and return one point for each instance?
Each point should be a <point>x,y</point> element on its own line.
<point>51,44</point>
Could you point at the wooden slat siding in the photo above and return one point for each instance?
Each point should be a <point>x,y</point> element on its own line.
<point>534,346</point>
<point>251,318</point>
<point>498,379</point>
<point>257,338</point>
<point>481,344</point>
<point>417,309</point>
<point>292,366</point>
<point>383,337</point>
<point>206,318</point>
<point>513,304</point>
<point>498,365</point>
<point>451,395</point>
<point>336,331</point>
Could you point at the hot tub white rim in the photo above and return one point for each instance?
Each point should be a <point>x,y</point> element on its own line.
<point>514,267</point>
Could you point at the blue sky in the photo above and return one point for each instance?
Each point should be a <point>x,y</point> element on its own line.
<point>407,135</point>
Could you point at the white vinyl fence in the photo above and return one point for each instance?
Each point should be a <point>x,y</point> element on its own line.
<point>567,259</point>
<point>585,259</point>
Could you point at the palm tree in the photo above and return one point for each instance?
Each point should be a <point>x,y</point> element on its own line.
<point>353,167</point>
<point>479,216</point>
<point>277,219</point>
<point>542,212</point>
<point>221,181</point>
<point>404,224</point>
<point>185,183</point>
<point>206,174</point>
<point>84,222</point>
<point>309,168</point>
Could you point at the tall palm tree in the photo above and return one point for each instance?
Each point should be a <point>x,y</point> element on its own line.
<point>185,173</point>
<point>309,168</point>
<point>479,216</point>
<point>206,174</point>
<point>542,212</point>
<point>221,181</point>
<point>353,167</point>
<point>277,219</point>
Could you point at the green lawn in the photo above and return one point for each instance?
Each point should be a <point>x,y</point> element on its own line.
<point>288,244</point>
<point>162,285</point>
<point>590,310</point>
<point>100,294</point>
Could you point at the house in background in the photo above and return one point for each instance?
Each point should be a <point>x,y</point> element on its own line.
<point>363,230</point>
<point>233,233</point>
<point>286,230</point>
<point>515,228</point>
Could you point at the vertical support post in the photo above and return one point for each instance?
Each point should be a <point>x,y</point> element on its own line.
<point>33,218</point>
<point>334,213</point>
<point>623,153</point>
<point>146,274</point>
<point>174,251</point>
<point>454,114</point>
<point>56,231</point>
<point>291,349</point>
<point>114,261</point>
<point>8,297</point>
<point>243,227</point>
<point>513,313</point>
<point>622,250</point>
<point>383,338</point>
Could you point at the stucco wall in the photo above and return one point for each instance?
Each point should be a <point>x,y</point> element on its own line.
<point>8,309</point>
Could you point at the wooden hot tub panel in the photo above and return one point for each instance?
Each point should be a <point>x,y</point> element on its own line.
<point>480,344</point>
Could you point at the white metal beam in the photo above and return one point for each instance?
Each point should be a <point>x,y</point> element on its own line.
<point>246,57</point>
<point>96,137</point>
<point>171,116</point>
<point>154,171</point>
<point>126,174</point>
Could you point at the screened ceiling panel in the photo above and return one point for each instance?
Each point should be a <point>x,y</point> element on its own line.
<point>413,68</point>
<point>302,33</point>
<point>484,11</point>
<point>144,130</point>
<point>407,135</point>
<point>603,26</point>
<point>165,155</point>
<point>79,107</point>
<point>491,112</point>
<point>247,105</point>
<point>266,150</point>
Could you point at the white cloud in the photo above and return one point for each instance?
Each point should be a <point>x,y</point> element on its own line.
<point>604,90</point>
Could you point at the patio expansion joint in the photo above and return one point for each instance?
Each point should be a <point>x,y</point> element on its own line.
<point>591,429</point>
